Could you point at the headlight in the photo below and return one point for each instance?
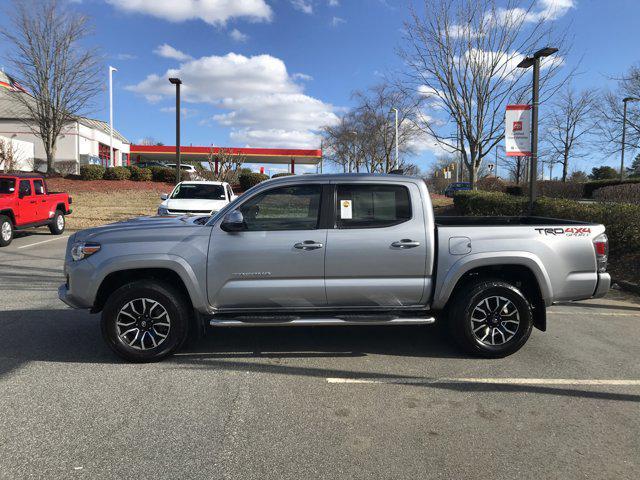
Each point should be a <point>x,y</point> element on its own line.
<point>81,250</point>
<point>163,211</point>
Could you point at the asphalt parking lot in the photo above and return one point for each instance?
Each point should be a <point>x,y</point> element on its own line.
<point>383,402</point>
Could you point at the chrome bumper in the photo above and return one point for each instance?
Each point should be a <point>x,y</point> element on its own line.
<point>604,284</point>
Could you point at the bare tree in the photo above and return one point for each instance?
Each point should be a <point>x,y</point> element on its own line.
<point>151,141</point>
<point>365,137</point>
<point>567,128</point>
<point>60,76</point>
<point>8,154</point>
<point>610,114</point>
<point>462,57</point>
<point>229,163</point>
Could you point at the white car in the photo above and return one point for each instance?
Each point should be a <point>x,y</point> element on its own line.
<point>196,198</point>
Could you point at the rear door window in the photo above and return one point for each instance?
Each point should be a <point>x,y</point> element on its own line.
<point>38,186</point>
<point>371,205</point>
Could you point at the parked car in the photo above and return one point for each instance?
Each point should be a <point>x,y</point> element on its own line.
<point>196,198</point>
<point>150,164</point>
<point>332,250</point>
<point>452,188</point>
<point>25,202</point>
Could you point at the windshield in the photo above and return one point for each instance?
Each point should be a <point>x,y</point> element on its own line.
<point>7,185</point>
<point>202,191</point>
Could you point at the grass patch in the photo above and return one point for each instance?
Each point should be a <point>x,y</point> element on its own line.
<point>91,209</point>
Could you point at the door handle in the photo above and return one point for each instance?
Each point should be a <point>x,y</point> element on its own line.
<point>32,201</point>
<point>308,245</point>
<point>405,243</point>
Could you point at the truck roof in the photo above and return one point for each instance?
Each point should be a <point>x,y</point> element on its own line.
<point>20,175</point>
<point>349,176</point>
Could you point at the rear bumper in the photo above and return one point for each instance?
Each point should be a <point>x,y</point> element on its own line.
<point>603,286</point>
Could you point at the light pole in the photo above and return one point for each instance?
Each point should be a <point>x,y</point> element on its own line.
<point>111,159</point>
<point>397,164</point>
<point>177,82</point>
<point>624,131</point>
<point>535,63</point>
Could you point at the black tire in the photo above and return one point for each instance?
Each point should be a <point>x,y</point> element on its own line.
<point>6,231</point>
<point>465,304</point>
<point>56,227</point>
<point>172,301</point>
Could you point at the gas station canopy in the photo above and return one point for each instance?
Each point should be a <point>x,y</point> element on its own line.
<point>167,154</point>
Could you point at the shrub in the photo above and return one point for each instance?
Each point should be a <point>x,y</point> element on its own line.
<point>625,193</point>
<point>591,187</point>
<point>248,180</point>
<point>163,174</point>
<point>66,167</point>
<point>117,173</point>
<point>516,190</point>
<point>491,184</point>
<point>92,172</point>
<point>489,203</point>
<point>278,175</point>
<point>558,189</point>
<point>140,174</point>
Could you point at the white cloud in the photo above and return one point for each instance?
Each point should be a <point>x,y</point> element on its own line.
<point>261,102</point>
<point>237,36</point>
<point>335,21</point>
<point>184,112</point>
<point>276,138</point>
<point>125,56</point>
<point>304,6</point>
<point>167,51</point>
<point>333,3</point>
<point>214,12</point>
<point>303,77</point>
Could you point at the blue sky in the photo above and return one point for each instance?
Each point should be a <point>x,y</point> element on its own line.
<point>268,73</point>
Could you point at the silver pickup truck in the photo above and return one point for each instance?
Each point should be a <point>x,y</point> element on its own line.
<point>331,250</point>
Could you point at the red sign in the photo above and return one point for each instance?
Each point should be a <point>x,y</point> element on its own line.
<point>517,126</point>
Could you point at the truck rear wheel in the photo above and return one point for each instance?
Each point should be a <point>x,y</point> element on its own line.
<point>6,231</point>
<point>56,227</point>
<point>490,318</point>
<point>145,321</point>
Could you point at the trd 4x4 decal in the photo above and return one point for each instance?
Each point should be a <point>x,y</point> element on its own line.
<point>568,232</point>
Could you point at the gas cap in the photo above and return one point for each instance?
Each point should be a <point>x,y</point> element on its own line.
<point>459,245</point>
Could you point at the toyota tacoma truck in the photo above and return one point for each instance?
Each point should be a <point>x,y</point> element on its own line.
<point>331,250</point>
<point>25,202</point>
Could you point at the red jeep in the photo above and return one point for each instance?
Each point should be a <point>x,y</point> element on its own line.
<point>25,202</point>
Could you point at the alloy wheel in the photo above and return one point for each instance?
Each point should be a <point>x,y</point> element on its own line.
<point>6,231</point>
<point>143,324</point>
<point>495,320</point>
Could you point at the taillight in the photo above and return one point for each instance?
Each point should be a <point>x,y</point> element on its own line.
<point>601,246</point>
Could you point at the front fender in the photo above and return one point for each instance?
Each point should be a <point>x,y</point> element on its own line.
<point>193,282</point>
<point>445,286</point>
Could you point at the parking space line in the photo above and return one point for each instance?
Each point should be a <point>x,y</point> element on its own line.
<point>44,241</point>
<point>494,381</point>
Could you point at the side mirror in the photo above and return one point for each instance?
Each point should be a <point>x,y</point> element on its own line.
<point>164,196</point>
<point>233,222</point>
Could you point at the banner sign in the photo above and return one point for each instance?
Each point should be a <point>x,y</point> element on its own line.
<point>517,134</point>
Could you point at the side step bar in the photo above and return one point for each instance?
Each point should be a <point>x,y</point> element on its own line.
<point>250,321</point>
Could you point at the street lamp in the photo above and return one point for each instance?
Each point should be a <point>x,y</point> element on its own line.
<point>112,160</point>
<point>624,131</point>
<point>177,82</point>
<point>535,63</point>
<point>397,165</point>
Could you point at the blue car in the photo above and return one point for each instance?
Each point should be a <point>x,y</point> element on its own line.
<point>452,188</point>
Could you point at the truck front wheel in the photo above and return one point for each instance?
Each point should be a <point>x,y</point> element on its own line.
<point>6,231</point>
<point>145,321</point>
<point>490,318</point>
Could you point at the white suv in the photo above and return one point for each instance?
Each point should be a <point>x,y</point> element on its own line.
<point>196,198</point>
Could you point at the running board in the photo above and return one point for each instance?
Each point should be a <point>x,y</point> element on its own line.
<point>251,321</point>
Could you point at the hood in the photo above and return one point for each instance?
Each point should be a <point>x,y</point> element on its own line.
<point>157,226</point>
<point>194,204</point>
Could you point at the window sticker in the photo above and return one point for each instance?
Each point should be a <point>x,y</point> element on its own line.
<point>346,210</point>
